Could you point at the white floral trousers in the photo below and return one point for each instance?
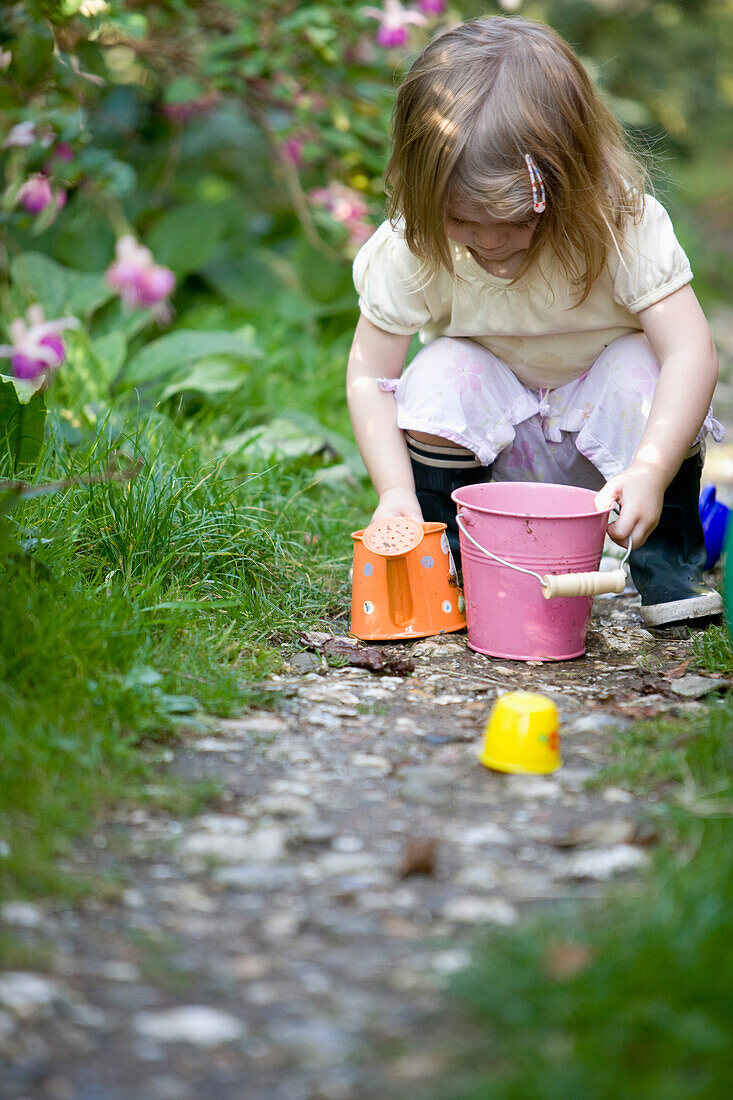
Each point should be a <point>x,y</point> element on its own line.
<point>581,433</point>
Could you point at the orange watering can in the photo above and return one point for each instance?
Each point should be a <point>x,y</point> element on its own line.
<point>405,583</point>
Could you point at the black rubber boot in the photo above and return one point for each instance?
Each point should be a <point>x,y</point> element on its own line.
<point>667,569</point>
<point>434,485</point>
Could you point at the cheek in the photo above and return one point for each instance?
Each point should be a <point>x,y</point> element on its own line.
<point>526,236</point>
<point>459,234</point>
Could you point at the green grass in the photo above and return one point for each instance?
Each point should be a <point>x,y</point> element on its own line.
<point>712,649</point>
<point>142,605</point>
<point>629,996</point>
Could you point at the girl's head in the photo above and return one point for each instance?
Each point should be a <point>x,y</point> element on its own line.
<point>479,99</point>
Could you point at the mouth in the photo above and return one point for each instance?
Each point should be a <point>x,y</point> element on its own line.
<point>493,253</point>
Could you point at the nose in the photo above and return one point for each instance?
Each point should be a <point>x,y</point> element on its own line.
<point>489,237</point>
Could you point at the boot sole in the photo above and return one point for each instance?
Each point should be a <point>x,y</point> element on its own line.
<point>680,611</point>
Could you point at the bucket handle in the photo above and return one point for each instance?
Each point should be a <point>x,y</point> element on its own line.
<point>565,584</point>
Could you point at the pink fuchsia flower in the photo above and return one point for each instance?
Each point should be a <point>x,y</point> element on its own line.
<point>343,203</point>
<point>191,108</point>
<point>432,7</point>
<point>21,136</point>
<point>394,20</point>
<point>293,150</point>
<point>347,206</point>
<point>36,345</point>
<point>63,151</point>
<point>36,194</point>
<point>134,274</point>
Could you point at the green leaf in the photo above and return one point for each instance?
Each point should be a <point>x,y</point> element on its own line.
<point>182,90</point>
<point>279,439</point>
<point>186,237</point>
<point>110,350</point>
<point>158,359</point>
<point>83,237</point>
<point>208,377</point>
<point>22,424</point>
<point>60,290</point>
<point>250,282</point>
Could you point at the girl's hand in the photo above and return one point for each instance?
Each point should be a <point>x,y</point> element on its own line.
<point>639,492</point>
<point>398,502</point>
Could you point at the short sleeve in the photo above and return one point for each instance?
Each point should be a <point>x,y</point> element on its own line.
<point>391,283</point>
<point>652,264</point>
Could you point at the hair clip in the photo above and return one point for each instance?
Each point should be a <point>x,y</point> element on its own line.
<point>538,186</point>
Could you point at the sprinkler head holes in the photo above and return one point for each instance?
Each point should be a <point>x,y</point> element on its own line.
<point>393,537</point>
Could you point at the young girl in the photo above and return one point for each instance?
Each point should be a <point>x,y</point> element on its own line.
<point>563,341</point>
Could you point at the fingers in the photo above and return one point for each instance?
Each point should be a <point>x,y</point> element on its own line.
<point>609,495</point>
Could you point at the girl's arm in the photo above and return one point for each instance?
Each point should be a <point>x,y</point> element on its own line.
<point>680,337</point>
<point>377,354</point>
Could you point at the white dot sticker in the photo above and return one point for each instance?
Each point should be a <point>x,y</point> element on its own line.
<point>447,606</point>
<point>368,607</point>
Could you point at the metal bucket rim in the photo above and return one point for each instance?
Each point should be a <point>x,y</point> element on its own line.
<point>455,496</point>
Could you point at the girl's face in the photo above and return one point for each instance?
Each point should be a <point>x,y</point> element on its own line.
<point>487,237</point>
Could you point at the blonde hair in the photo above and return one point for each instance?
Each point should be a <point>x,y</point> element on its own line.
<point>479,97</point>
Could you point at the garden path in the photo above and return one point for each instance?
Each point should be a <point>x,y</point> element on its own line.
<point>295,944</point>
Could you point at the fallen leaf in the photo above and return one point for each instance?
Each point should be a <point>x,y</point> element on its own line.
<point>602,833</point>
<point>356,654</point>
<point>678,670</point>
<point>564,960</point>
<point>419,856</point>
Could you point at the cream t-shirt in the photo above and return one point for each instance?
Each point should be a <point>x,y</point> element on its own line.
<point>532,324</point>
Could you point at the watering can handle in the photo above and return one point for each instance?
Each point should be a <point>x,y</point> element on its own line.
<point>563,584</point>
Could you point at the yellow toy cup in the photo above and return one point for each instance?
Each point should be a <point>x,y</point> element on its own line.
<point>521,735</point>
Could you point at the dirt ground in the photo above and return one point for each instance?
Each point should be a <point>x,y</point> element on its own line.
<point>279,947</point>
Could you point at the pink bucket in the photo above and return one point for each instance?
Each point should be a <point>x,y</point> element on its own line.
<point>546,529</point>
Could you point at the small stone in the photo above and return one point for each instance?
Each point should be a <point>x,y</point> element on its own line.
<point>133,899</point>
<point>372,762</point>
<point>428,786</point>
<point>22,914</point>
<point>261,724</point>
<point>305,662</point>
<point>694,687</point>
<point>28,995</point>
<point>471,909</point>
<point>347,844</point>
<point>7,1025</point>
<point>476,836</point>
<point>604,863</point>
<point>615,794</point>
<point>533,786</point>
<point>451,961</point>
<point>316,831</point>
<point>285,805</point>
<point>595,722</point>
<point>196,1025</point>
<point>480,876</point>
<point>166,1087</point>
<point>88,1016</point>
<point>348,863</point>
<point>281,926</point>
<point>217,744</point>
<point>258,876</point>
<point>229,824</point>
<point>118,970</point>
<point>249,968</point>
<point>264,845</point>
